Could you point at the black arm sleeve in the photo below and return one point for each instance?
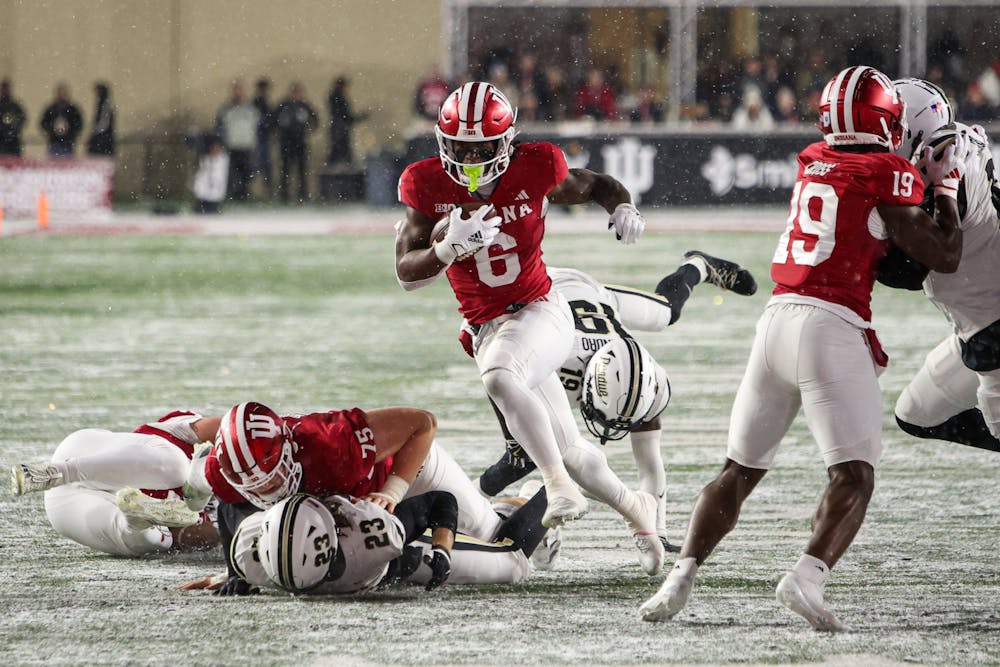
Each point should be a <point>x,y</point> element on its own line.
<point>899,270</point>
<point>230,516</point>
<point>433,509</point>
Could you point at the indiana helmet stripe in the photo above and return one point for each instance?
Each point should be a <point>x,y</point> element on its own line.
<point>239,452</point>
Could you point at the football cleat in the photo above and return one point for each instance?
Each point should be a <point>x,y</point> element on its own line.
<point>547,552</point>
<point>34,477</point>
<point>725,274</point>
<point>670,599</point>
<point>565,503</point>
<point>142,511</point>
<point>806,599</point>
<point>642,523</point>
<point>669,546</point>
<point>513,465</point>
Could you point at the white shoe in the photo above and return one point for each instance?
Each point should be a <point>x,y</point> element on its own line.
<point>642,523</point>
<point>142,511</point>
<point>545,554</point>
<point>33,477</point>
<point>669,600</point>
<point>565,501</point>
<point>806,599</point>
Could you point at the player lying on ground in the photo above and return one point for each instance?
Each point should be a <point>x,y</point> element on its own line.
<point>343,545</point>
<point>606,313</point>
<point>814,348</point>
<point>382,455</point>
<point>92,487</point>
<point>956,395</point>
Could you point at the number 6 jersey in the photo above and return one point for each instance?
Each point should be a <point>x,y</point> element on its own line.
<point>835,237</point>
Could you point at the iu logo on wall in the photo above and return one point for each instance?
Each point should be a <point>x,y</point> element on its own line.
<point>631,162</point>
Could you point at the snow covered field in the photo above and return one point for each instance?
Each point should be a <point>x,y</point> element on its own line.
<point>113,324</point>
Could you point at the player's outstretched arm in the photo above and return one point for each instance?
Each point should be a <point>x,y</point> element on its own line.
<point>582,186</point>
<point>406,434</point>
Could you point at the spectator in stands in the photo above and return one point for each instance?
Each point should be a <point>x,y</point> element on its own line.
<point>527,102</point>
<point>752,115</point>
<point>102,132</point>
<point>786,106</point>
<point>751,79</point>
<point>595,98</point>
<point>648,109</point>
<point>61,123</point>
<point>554,99</point>
<point>431,93</point>
<point>499,76</point>
<point>974,107</point>
<point>528,77</point>
<point>211,179</point>
<point>265,128</point>
<point>342,120</point>
<point>989,83</point>
<point>296,118</point>
<point>12,119</point>
<point>236,123</point>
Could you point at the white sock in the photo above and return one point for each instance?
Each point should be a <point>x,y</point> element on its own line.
<point>698,263</point>
<point>812,569</point>
<point>684,568</point>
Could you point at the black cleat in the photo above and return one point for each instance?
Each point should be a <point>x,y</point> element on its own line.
<point>668,547</point>
<point>512,466</point>
<point>725,274</point>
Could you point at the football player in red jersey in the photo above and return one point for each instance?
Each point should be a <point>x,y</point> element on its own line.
<point>381,455</point>
<point>125,493</point>
<point>493,260</point>
<point>815,348</point>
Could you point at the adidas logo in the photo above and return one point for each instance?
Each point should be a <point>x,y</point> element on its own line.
<point>521,196</point>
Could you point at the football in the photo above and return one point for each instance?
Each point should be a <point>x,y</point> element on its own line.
<point>441,227</point>
<point>938,142</point>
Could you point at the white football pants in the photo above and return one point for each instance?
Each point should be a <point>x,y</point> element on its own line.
<point>97,463</point>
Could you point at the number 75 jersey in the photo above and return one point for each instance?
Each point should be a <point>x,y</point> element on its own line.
<point>834,238</point>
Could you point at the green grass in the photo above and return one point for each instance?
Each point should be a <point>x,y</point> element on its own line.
<point>114,331</point>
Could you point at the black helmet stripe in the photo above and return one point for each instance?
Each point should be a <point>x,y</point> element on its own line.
<point>285,556</point>
<point>634,392</point>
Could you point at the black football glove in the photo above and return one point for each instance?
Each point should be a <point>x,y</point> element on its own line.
<point>440,564</point>
<point>236,586</point>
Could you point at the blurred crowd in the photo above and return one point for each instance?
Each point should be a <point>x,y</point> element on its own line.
<point>780,86</point>
<point>258,147</point>
<point>61,121</point>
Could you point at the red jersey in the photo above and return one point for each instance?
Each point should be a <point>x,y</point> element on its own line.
<point>337,453</point>
<point>175,428</point>
<point>510,270</point>
<point>834,239</point>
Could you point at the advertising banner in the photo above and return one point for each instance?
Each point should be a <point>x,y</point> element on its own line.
<point>70,188</point>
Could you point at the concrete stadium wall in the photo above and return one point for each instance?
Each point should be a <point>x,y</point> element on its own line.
<point>176,59</point>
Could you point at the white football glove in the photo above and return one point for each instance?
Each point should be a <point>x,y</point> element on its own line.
<point>465,237</point>
<point>627,223</point>
<point>946,173</point>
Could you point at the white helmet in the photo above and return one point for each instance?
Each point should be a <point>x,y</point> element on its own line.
<point>623,387</point>
<point>297,543</point>
<point>927,110</point>
<point>243,551</point>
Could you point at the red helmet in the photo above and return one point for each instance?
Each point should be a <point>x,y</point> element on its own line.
<point>255,451</point>
<point>862,106</point>
<point>477,112</point>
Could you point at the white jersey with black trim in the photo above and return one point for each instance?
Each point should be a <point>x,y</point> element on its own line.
<point>475,561</point>
<point>601,314</point>
<point>970,297</point>
<point>368,537</point>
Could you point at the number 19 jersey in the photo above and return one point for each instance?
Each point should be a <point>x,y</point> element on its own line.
<point>834,238</point>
